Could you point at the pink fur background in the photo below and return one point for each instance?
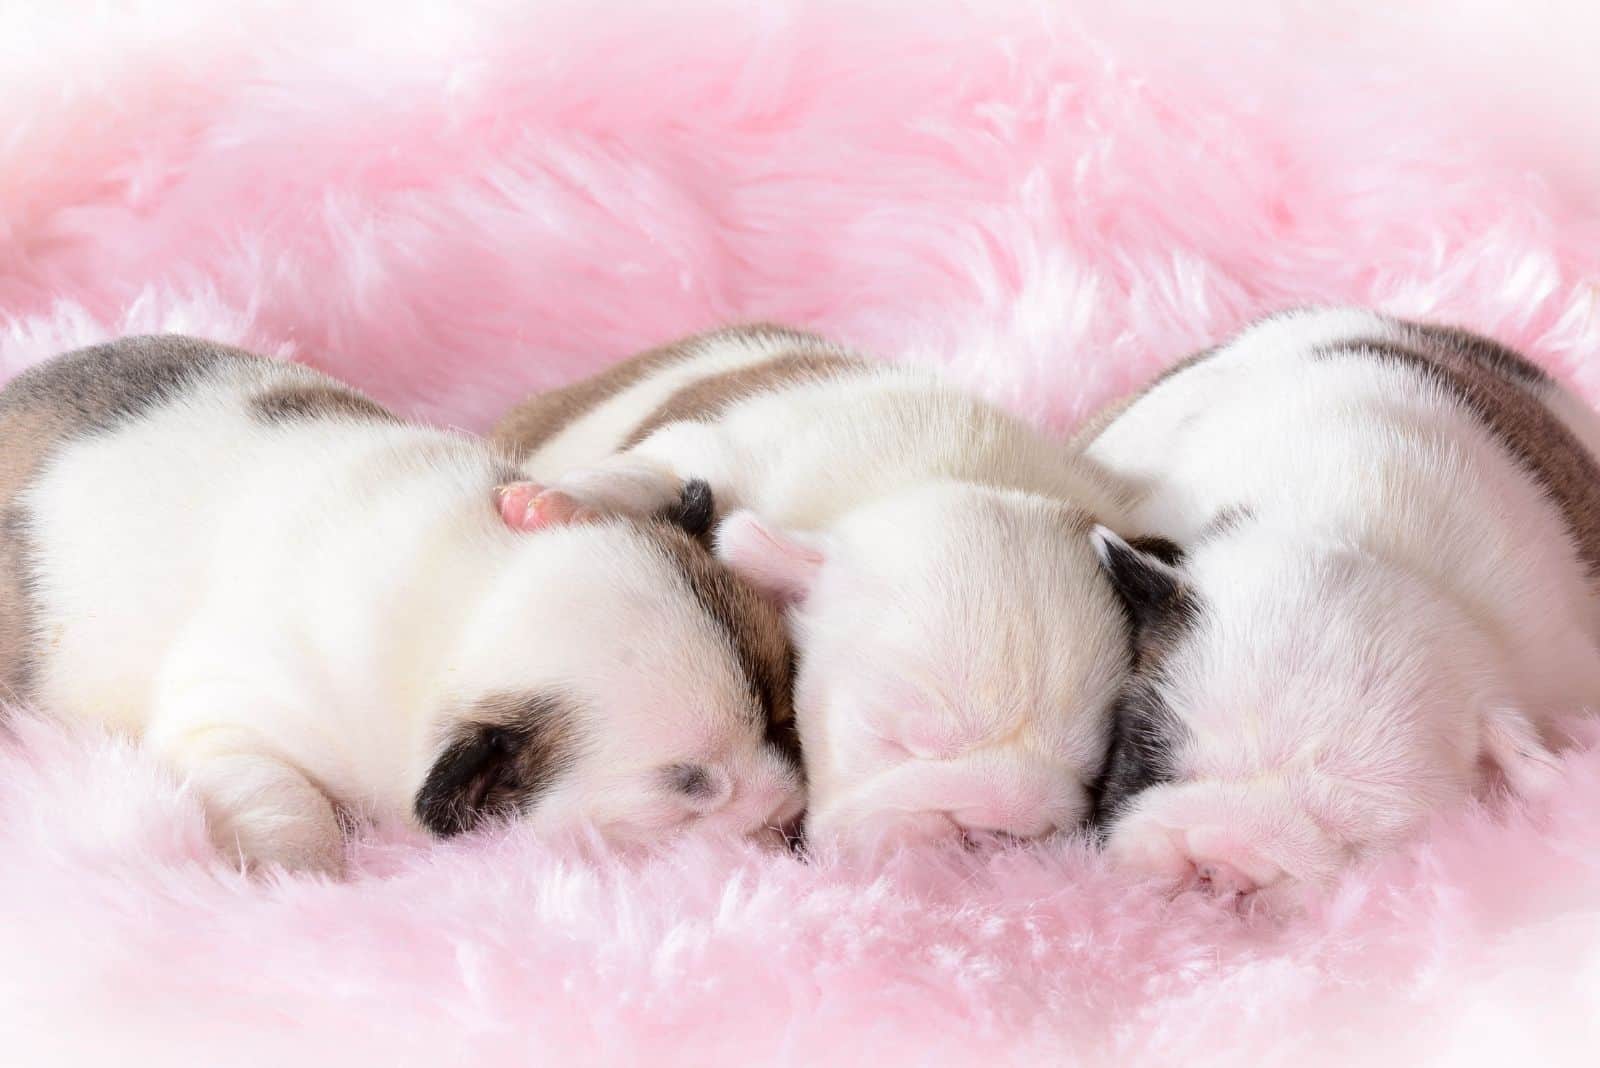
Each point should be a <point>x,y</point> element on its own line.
<point>451,203</point>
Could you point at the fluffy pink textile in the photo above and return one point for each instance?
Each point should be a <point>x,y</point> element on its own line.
<point>451,203</point>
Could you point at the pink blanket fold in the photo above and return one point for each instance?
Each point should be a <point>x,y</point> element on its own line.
<point>451,203</point>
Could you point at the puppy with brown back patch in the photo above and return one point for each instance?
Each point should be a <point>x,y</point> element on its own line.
<point>1385,604</point>
<point>958,646</point>
<point>307,607</point>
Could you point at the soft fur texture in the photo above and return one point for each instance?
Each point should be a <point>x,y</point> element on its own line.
<point>309,608</point>
<point>958,647</point>
<point>1385,602</point>
<point>452,203</point>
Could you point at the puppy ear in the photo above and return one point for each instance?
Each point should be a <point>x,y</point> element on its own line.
<point>781,565</point>
<point>528,506</point>
<point>1141,572</point>
<point>694,510</point>
<point>1512,747</point>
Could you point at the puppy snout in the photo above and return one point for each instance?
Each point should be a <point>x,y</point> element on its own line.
<point>1223,865</point>
<point>760,800</point>
<point>1221,879</point>
<point>1003,822</point>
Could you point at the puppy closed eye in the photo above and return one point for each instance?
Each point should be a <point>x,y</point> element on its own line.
<point>704,788</point>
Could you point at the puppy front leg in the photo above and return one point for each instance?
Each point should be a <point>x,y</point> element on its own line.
<point>259,807</point>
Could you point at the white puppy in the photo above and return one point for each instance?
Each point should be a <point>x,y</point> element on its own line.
<point>958,647</point>
<point>1386,599</point>
<point>310,608</point>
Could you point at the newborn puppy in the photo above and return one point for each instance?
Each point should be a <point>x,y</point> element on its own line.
<point>958,646</point>
<point>1386,601</point>
<point>304,605</point>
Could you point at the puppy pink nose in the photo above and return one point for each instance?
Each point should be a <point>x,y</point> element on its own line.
<point>1222,879</point>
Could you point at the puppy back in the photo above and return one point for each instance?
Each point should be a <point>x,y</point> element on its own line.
<point>96,390</point>
<point>1548,432</point>
<point>694,379</point>
<point>1512,399</point>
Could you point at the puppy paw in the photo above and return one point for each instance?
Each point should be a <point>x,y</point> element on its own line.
<point>624,487</point>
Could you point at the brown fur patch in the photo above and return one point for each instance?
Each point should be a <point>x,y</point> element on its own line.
<point>537,420</point>
<point>1481,351</point>
<point>317,400</point>
<point>753,625</point>
<point>705,399</point>
<point>1501,389</point>
<point>78,393</point>
<point>508,750</point>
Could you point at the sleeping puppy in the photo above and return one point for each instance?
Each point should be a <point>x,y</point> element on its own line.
<point>958,647</point>
<point>1386,601</point>
<point>304,605</point>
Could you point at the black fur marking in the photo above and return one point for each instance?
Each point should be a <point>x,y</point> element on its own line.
<point>1146,584</point>
<point>694,511</point>
<point>498,764</point>
<point>1145,735</point>
<point>1164,549</point>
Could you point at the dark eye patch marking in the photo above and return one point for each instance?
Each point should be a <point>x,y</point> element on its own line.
<point>509,751</point>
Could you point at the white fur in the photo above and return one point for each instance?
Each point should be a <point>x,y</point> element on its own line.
<point>298,614</point>
<point>1405,606</point>
<point>958,648</point>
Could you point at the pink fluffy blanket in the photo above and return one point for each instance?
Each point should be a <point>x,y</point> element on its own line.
<point>452,203</point>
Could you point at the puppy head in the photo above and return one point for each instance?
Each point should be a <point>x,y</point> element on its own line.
<point>617,677</point>
<point>1293,707</point>
<point>959,653</point>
